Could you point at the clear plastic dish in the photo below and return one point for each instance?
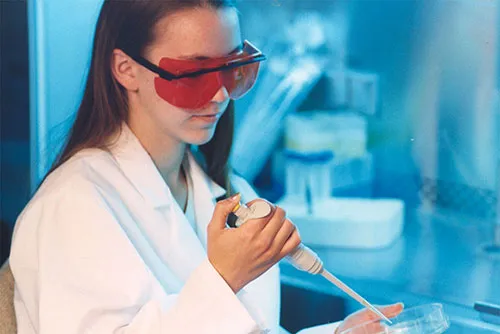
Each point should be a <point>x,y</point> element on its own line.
<point>425,319</point>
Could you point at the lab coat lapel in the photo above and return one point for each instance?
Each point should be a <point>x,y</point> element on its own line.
<point>188,249</point>
<point>206,192</point>
<point>185,252</point>
<point>162,234</point>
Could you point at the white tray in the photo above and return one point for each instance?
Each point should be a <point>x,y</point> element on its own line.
<point>348,222</point>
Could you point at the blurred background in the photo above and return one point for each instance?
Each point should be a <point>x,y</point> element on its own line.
<point>374,123</point>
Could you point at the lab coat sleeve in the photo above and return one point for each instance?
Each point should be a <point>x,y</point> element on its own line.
<point>262,296</point>
<point>77,272</point>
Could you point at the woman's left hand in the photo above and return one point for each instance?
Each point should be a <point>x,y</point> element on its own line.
<point>365,315</point>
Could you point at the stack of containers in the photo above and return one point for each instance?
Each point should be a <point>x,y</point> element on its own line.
<point>344,134</point>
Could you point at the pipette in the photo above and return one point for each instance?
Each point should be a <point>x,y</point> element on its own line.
<point>302,258</point>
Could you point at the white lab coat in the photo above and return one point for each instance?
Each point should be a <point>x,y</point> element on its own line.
<point>103,247</point>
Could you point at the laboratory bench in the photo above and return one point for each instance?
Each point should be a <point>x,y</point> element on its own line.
<point>438,258</point>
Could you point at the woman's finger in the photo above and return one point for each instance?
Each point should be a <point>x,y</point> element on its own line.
<point>274,225</point>
<point>292,242</point>
<point>393,310</point>
<point>389,311</point>
<point>284,233</point>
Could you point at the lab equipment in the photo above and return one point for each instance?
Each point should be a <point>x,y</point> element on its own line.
<point>324,220</point>
<point>299,53</point>
<point>349,176</point>
<point>258,209</point>
<point>363,92</point>
<point>311,133</point>
<point>355,223</point>
<point>308,177</point>
<point>493,249</point>
<point>345,88</point>
<point>424,319</point>
<point>488,312</point>
<point>342,132</point>
<point>302,258</point>
<point>252,149</point>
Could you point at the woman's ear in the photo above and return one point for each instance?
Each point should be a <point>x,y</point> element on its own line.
<point>124,70</point>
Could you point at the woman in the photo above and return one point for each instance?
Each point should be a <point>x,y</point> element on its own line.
<point>124,235</point>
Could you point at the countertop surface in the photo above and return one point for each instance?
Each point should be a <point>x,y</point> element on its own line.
<point>437,257</point>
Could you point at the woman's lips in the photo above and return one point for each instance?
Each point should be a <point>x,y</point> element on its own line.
<point>208,118</point>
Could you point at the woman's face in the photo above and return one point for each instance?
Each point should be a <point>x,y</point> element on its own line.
<point>188,34</point>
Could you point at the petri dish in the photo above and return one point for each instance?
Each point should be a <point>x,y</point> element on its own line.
<point>424,319</point>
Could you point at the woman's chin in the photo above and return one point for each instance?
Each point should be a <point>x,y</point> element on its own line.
<point>200,136</point>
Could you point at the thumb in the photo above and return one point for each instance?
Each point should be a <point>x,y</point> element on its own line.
<point>222,210</point>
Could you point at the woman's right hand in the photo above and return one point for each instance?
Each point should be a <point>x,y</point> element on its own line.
<point>242,254</point>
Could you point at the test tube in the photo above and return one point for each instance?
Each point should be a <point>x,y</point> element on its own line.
<point>319,176</point>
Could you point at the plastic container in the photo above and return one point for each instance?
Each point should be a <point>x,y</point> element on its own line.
<point>355,223</point>
<point>425,319</point>
<point>342,132</point>
<point>349,177</point>
<point>308,175</point>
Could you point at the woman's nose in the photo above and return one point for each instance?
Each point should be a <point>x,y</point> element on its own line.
<point>221,96</point>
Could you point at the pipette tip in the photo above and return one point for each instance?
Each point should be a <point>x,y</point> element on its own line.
<point>353,294</point>
<point>380,314</point>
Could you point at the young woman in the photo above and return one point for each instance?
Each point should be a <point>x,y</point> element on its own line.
<point>124,235</point>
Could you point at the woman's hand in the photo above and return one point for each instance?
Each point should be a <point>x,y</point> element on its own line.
<point>365,315</point>
<point>242,254</point>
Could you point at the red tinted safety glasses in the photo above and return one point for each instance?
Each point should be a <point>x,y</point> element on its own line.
<point>191,84</point>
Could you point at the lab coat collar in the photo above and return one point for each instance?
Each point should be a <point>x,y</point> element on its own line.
<point>139,168</point>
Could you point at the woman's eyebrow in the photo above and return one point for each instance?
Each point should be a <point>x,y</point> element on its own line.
<point>201,57</point>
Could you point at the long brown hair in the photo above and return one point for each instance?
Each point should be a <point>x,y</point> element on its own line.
<point>129,26</point>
